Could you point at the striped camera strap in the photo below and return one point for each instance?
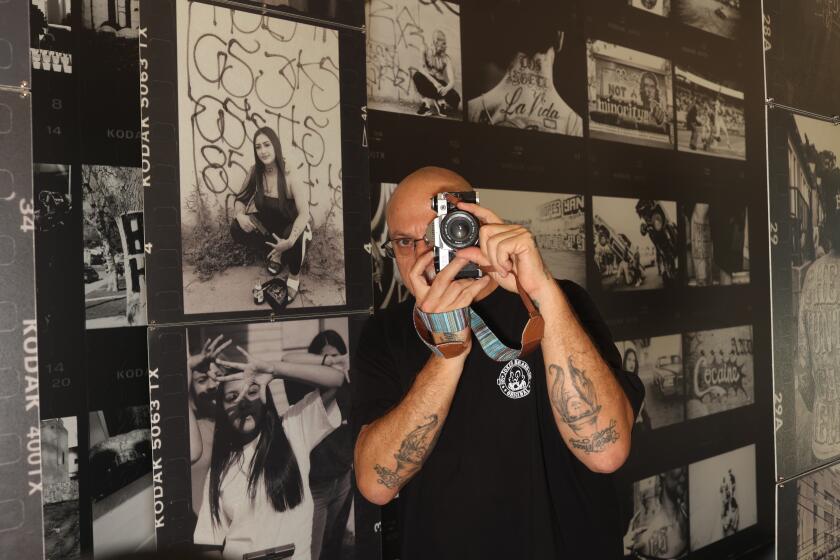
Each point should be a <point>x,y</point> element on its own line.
<point>451,322</point>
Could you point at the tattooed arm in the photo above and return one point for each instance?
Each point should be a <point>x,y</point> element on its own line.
<point>591,410</point>
<point>390,450</point>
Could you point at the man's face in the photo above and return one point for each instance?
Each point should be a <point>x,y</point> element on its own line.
<point>650,87</point>
<point>408,218</point>
<point>205,390</point>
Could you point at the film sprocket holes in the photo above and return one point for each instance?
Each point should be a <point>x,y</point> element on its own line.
<point>453,229</point>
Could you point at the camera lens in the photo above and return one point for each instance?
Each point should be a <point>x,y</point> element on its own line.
<point>459,229</point>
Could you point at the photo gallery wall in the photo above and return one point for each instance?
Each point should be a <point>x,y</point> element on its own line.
<point>804,208</point>
<point>211,186</point>
<point>97,231</point>
<point>628,137</point>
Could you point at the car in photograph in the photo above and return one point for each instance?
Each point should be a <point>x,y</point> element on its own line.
<point>668,375</point>
<point>90,274</point>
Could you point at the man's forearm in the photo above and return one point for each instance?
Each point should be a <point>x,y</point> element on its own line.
<point>590,408</point>
<point>392,449</point>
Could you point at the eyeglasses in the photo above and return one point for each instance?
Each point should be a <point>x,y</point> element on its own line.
<point>402,245</point>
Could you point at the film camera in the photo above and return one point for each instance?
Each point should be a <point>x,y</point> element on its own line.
<point>452,230</point>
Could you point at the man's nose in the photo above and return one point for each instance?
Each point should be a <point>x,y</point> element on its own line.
<point>212,383</point>
<point>421,248</point>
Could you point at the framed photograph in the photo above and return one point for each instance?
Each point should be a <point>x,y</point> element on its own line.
<point>719,17</point>
<point>60,476</point>
<point>719,366</point>
<point>120,463</point>
<point>630,96</point>
<point>525,67</point>
<point>414,57</point>
<point>114,271</point>
<point>635,243</point>
<point>808,513</point>
<point>801,45</point>
<point>658,361</point>
<point>805,203</point>
<point>715,515</point>
<point>50,24</point>
<point>710,117</point>
<point>659,526</point>
<point>108,71</point>
<point>219,377</point>
<point>717,244</point>
<point>268,163</point>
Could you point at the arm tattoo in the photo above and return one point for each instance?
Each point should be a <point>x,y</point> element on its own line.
<point>573,396</point>
<point>598,441</point>
<point>413,451</point>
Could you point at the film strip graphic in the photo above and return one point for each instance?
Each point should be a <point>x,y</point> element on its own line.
<point>21,518</point>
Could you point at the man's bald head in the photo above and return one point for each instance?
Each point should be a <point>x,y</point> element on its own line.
<point>414,193</point>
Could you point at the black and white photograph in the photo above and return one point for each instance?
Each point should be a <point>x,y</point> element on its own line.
<point>630,96</point>
<point>414,57</point>
<point>388,286</point>
<point>811,364</point>
<point>717,244</point>
<point>556,221</point>
<point>53,198</point>
<point>802,46</point>
<point>51,39</point>
<point>710,116</point>
<point>659,526</point>
<point>817,514</point>
<point>120,462</point>
<point>109,81</point>
<point>260,162</point>
<point>270,446</point>
<point>658,362</point>
<point>719,368</point>
<point>525,67</point>
<point>723,496</point>
<point>635,243</point>
<point>720,17</point>
<point>60,475</point>
<point>658,7</point>
<point>113,251</point>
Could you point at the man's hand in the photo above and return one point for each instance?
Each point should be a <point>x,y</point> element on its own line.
<point>208,354</point>
<point>279,247</point>
<point>445,293</point>
<point>508,248</point>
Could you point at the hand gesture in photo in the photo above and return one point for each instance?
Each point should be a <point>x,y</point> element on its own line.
<point>279,247</point>
<point>253,371</point>
<point>208,354</point>
<point>633,536</point>
<point>507,248</point>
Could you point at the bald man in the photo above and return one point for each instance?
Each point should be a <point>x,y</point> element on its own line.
<point>491,459</point>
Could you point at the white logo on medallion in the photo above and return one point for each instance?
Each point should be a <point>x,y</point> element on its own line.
<point>515,379</point>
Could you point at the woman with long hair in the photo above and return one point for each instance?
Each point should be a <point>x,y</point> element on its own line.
<point>272,212</point>
<point>257,496</point>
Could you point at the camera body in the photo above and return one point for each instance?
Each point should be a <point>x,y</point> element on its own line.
<point>453,229</point>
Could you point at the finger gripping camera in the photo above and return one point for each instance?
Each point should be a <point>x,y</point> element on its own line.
<point>453,229</point>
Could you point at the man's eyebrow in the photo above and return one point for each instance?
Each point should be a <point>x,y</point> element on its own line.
<point>400,235</point>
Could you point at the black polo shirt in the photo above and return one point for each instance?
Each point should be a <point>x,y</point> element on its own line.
<point>500,482</point>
